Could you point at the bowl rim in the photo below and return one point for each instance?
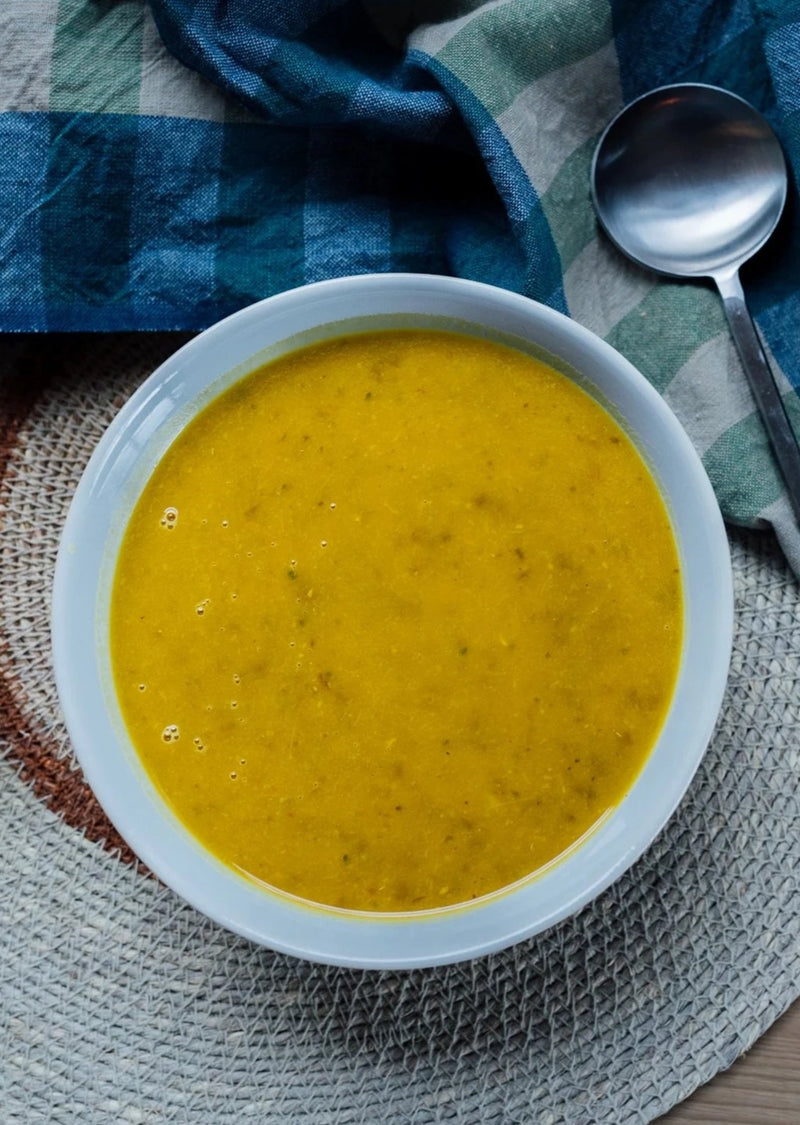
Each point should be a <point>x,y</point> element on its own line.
<point>164,402</point>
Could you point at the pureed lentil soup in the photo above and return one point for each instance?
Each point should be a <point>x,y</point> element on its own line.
<point>396,620</point>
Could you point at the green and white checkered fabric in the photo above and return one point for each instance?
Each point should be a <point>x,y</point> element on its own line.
<point>326,137</point>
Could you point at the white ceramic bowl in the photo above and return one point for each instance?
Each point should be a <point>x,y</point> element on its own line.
<point>102,504</point>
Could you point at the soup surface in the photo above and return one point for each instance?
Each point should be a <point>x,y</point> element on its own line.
<point>396,620</point>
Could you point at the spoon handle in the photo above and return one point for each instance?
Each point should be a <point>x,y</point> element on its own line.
<point>762,384</point>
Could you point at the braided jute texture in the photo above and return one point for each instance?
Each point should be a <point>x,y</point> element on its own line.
<point>119,1003</point>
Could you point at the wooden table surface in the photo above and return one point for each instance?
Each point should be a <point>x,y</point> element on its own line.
<point>761,1088</point>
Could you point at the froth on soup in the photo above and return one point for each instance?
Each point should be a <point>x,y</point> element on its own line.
<point>396,620</point>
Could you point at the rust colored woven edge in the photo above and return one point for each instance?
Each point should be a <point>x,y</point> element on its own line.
<point>54,778</point>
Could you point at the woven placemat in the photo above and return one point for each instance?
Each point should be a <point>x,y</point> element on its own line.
<point>119,1003</point>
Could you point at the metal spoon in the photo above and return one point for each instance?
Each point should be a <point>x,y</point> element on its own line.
<point>690,181</point>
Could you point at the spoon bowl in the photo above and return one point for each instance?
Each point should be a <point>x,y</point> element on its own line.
<point>690,181</point>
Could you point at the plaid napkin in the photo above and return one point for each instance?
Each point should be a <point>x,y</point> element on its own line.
<point>317,138</point>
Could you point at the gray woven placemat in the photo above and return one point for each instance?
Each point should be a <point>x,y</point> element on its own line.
<point>118,1003</point>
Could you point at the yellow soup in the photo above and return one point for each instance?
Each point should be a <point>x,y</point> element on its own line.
<point>396,620</point>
